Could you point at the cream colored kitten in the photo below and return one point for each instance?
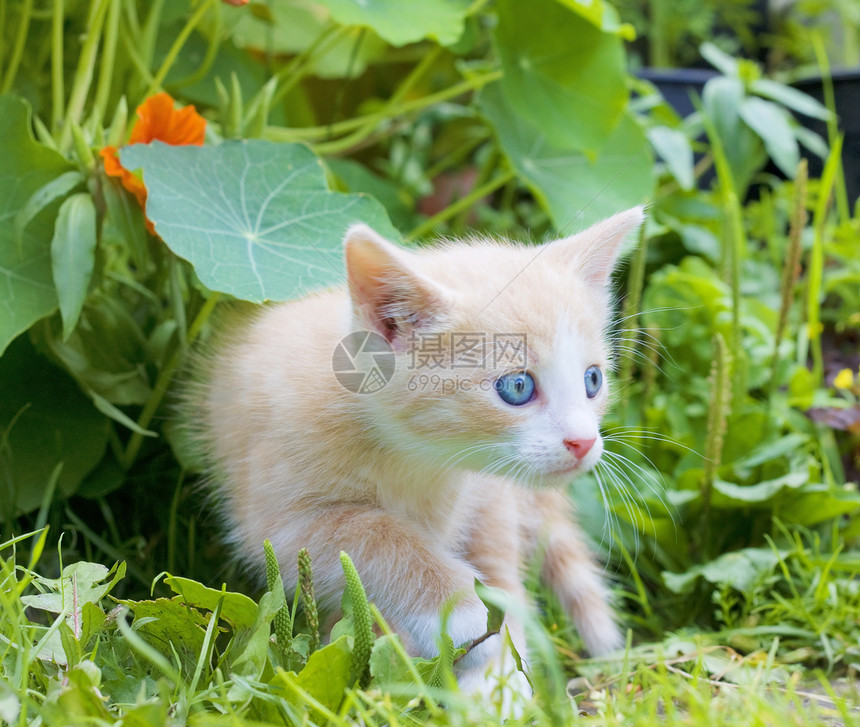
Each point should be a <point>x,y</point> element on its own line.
<point>454,468</point>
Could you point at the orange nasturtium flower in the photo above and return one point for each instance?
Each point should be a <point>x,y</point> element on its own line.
<point>156,119</point>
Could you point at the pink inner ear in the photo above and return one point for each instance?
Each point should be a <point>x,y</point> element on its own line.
<point>389,296</point>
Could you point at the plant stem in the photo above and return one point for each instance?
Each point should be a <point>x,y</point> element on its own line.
<point>319,132</point>
<point>735,247</point>
<point>108,59</point>
<point>175,49</point>
<point>58,94</point>
<point>816,261</point>
<point>792,262</point>
<point>18,48</point>
<point>162,383</point>
<point>718,413</point>
<point>295,70</point>
<point>84,72</point>
<point>149,32</point>
<point>636,281</point>
<point>832,123</point>
<point>211,54</point>
<point>461,204</point>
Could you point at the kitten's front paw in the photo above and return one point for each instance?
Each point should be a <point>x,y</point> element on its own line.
<point>499,686</point>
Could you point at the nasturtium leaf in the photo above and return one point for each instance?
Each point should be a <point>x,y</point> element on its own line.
<point>45,419</point>
<point>575,188</point>
<point>602,15</point>
<point>73,253</point>
<point>26,287</point>
<point>561,72</point>
<point>771,123</point>
<point>254,218</point>
<point>401,22</point>
<point>287,27</point>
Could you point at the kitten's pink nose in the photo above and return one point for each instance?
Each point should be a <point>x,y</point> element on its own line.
<point>579,447</point>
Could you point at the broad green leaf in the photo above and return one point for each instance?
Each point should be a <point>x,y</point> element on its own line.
<point>674,148</point>
<point>791,98</point>
<point>570,82</point>
<point>288,27</point>
<point>73,252</point>
<point>325,677</point>
<point>740,569</point>
<point>386,665</point>
<point>730,494</point>
<point>401,22</point>
<point>75,594</point>
<point>719,59</point>
<point>44,420</point>
<point>252,647</point>
<point>170,626</point>
<point>236,608</point>
<point>771,449</point>
<point>771,123</point>
<point>816,503</point>
<point>26,288</point>
<point>254,218</point>
<point>721,99</point>
<point>811,141</point>
<point>576,189</point>
<point>602,15</point>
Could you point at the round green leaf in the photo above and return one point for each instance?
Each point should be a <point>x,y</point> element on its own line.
<point>575,188</point>
<point>561,72</point>
<point>401,22</point>
<point>254,218</point>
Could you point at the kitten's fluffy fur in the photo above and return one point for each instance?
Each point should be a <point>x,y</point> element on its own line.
<point>426,487</point>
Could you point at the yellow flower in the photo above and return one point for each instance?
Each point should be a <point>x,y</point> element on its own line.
<point>844,379</point>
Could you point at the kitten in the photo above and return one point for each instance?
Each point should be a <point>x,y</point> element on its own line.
<point>448,468</point>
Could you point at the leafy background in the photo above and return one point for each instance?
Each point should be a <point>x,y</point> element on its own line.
<point>726,507</point>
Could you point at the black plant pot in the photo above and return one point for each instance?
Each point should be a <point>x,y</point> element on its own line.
<point>678,85</point>
<point>846,90</point>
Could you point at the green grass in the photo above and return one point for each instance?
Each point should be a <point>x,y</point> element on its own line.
<point>72,654</point>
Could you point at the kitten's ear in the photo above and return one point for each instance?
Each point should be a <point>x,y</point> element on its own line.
<point>595,251</point>
<point>389,295</point>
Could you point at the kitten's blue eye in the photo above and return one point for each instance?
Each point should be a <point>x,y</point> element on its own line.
<point>593,381</point>
<point>516,389</point>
